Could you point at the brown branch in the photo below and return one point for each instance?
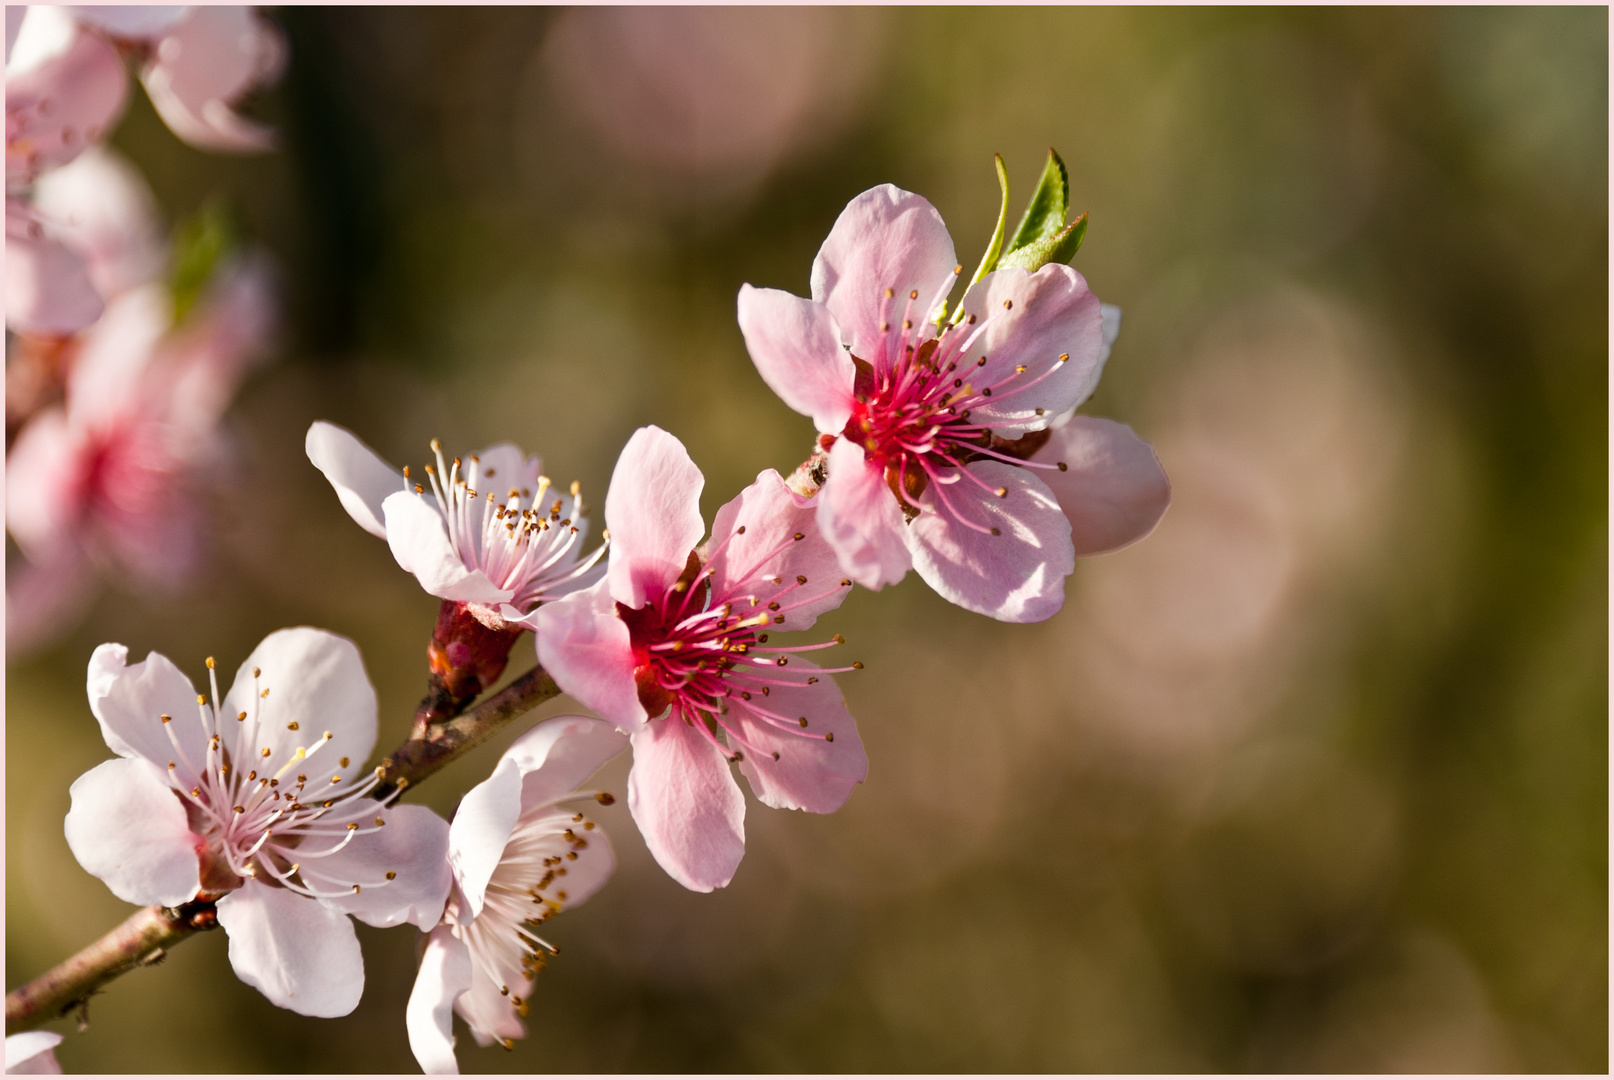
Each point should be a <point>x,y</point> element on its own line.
<point>142,938</point>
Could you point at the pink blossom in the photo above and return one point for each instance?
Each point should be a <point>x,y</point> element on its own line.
<point>204,65</point>
<point>108,481</point>
<point>258,800</point>
<point>932,424</point>
<point>669,647</point>
<point>491,532</point>
<point>65,86</point>
<point>519,858</point>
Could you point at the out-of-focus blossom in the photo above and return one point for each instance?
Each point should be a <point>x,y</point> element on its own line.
<point>104,212</point>
<point>48,287</point>
<point>65,85</point>
<point>519,859</point>
<point>669,648</point>
<point>204,65</point>
<point>491,533</point>
<point>258,800</point>
<point>106,482</point>
<point>933,426</point>
<point>710,101</point>
<point>33,1052</point>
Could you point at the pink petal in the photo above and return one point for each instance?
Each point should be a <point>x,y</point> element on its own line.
<point>859,516</point>
<point>1052,314</point>
<point>796,347</point>
<point>585,648</point>
<point>48,288</point>
<point>64,88</point>
<point>207,63</point>
<point>653,512</point>
<point>480,829</point>
<point>134,21</point>
<point>886,238</point>
<point>128,828</point>
<point>811,773</point>
<point>445,974</point>
<point>419,541</point>
<point>107,215</point>
<point>130,700</point>
<point>1016,576</point>
<point>316,680</point>
<point>686,804</point>
<point>501,467</point>
<point>487,1011</point>
<point>45,494</point>
<point>771,514</point>
<point>115,378</point>
<point>1114,491</point>
<point>558,755</point>
<point>297,952</point>
<point>413,844</point>
<point>362,478</point>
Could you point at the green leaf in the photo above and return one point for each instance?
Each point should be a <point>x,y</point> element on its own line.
<point>1059,248</point>
<point>1045,213</point>
<point>201,242</point>
<point>989,261</point>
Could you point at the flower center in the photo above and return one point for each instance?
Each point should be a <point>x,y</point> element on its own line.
<point>269,816</point>
<point>529,543</point>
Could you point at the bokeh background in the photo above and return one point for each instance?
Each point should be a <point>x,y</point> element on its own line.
<point>1314,778</point>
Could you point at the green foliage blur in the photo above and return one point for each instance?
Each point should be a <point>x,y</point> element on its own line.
<point>1314,778</point>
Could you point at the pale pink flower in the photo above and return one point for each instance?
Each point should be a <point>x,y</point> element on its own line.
<point>48,286</point>
<point>932,425</point>
<point>65,86</point>
<point>107,483</point>
<point>490,531</point>
<point>670,648</point>
<point>33,1052</point>
<point>520,857</point>
<point>259,799</point>
<point>102,209</point>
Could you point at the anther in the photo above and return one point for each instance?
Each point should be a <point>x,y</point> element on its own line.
<point>201,699</point>
<point>996,531</point>
<point>799,536</point>
<point>846,583</point>
<point>776,755</point>
<point>857,665</point>
<point>1007,304</point>
<point>392,875</point>
<point>889,294</point>
<point>1063,467</point>
<point>380,822</point>
<point>292,726</point>
<point>604,798</point>
<point>166,718</point>
<point>210,663</point>
<point>241,716</point>
<point>803,721</point>
<point>352,825</point>
<point>1003,492</point>
<point>811,679</point>
<point>256,672</point>
<point>343,763</point>
<point>1063,357</point>
<point>981,362</point>
<point>829,736</point>
<point>265,692</point>
<point>801,579</point>
<point>838,639</point>
<point>913,294</point>
<point>266,751</point>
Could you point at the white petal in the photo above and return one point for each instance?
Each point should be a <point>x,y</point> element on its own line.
<point>128,828</point>
<point>419,541</point>
<point>503,466</point>
<point>297,952</point>
<point>131,22</point>
<point>445,974</point>
<point>361,477</point>
<point>315,679</point>
<point>413,845</point>
<point>130,701</point>
<point>32,1051</point>
<point>480,829</point>
<point>558,755</point>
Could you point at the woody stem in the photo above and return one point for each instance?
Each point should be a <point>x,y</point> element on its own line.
<point>143,937</point>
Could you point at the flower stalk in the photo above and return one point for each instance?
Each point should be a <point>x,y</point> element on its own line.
<point>142,938</point>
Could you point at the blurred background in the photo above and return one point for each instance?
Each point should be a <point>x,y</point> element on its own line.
<point>1313,778</point>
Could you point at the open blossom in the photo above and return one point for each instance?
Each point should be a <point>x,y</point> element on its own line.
<point>490,531</point>
<point>672,647</point>
<point>935,429</point>
<point>33,1052</point>
<point>520,856</point>
<point>260,800</point>
<point>107,482</point>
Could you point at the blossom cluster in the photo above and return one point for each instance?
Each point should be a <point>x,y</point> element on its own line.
<point>115,385</point>
<point>947,443</point>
